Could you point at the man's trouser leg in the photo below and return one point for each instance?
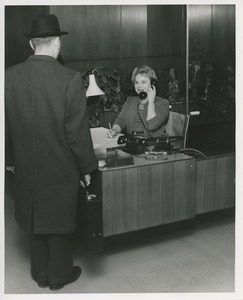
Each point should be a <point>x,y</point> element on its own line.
<point>51,258</point>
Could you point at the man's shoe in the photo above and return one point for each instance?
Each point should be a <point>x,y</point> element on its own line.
<point>76,272</point>
<point>55,287</point>
<point>43,284</point>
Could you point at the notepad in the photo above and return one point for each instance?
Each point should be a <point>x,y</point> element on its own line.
<point>100,139</point>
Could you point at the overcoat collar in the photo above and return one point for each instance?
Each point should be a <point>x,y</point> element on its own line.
<point>42,57</point>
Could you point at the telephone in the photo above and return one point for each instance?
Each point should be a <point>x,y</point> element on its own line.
<point>134,144</point>
<point>153,82</point>
<point>138,144</point>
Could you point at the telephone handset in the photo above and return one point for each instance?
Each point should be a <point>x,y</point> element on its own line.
<point>143,95</point>
<point>153,82</point>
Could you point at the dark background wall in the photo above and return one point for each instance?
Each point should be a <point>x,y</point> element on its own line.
<point>17,22</point>
<point>212,27</point>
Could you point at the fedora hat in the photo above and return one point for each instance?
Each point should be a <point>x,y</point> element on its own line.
<point>44,26</point>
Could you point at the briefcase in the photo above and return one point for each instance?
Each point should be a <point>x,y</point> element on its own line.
<point>92,214</point>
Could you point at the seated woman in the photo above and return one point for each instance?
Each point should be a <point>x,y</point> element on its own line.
<point>146,114</point>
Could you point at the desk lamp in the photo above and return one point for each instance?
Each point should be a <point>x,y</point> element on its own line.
<point>93,89</point>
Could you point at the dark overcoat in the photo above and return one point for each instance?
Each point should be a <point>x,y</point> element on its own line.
<point>48,141</point>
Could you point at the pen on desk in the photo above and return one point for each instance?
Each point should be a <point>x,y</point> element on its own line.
<point>110,126</point>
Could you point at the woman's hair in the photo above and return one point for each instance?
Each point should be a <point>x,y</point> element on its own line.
<point>144,70</point>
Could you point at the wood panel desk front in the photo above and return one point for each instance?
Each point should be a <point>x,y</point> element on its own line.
<point>146,194</point>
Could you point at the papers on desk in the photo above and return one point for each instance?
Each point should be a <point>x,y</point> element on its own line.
<point>106,150</point>
<point>100,139</point>
<point>96,146</point>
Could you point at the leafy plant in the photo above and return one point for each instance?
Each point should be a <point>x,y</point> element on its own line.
<point>115,86</point>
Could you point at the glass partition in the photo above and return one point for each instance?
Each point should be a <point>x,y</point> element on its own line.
<point>211,77</point>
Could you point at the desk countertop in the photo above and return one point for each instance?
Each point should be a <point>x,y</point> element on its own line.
<point>141,161</point>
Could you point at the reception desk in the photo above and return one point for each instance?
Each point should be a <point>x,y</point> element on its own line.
<point>146,194</point>
<point>149,193</point>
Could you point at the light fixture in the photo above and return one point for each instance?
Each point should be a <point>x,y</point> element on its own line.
<point>93,89</point>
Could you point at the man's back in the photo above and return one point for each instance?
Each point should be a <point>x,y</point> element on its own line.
<point>48,128</point>
<point>48,141</point>
<point>36,100</point>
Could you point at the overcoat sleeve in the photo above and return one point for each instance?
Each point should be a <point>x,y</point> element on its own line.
<point>8,145</point>
<point>77,129</point>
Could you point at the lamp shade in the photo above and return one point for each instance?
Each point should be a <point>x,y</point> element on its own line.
<point>93,89</point>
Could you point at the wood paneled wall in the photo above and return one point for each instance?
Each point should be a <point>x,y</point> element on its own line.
<point>166,30</point>
<point>223,29</point>
<point>124,35</point>
<point>93,32</point>
<point>17,22</point>
<point>128,35</point>
<point>133,31</point>
<point>212,28</point>
<point>215,184</point>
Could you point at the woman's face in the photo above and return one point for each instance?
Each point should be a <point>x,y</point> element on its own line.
<point>141,83</point>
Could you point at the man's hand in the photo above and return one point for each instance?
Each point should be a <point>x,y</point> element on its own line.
<point>10,168</point>
<point>86,181</point>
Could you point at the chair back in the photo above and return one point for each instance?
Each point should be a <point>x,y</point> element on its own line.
<point>175,124</point>
<point>175,128</point>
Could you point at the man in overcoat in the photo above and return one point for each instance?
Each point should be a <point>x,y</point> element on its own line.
<point>49,144</point>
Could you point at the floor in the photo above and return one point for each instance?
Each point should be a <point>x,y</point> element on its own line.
<point>200,259</point>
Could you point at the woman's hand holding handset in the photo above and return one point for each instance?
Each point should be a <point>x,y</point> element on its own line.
<point>151,94</point>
